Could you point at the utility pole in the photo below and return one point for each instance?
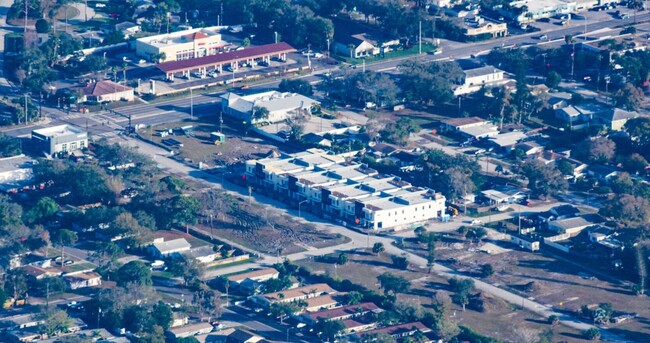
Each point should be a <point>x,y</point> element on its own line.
<point>25,22</point>
<point>221,121</point>
<point>420,37</point>
<point>191,104</point>
<point>221,14</point>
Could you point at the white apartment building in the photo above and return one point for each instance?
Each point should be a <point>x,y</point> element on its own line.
<point>61,138</point>
<point>181,45</point>
<point>345,191</point>
<point>476,78</point>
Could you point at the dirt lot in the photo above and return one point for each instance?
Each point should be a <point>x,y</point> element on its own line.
<point>363,268</point>
<point>548,280</point>
<point>197,147</point>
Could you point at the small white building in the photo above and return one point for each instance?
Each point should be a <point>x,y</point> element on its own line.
<point>280,106</point>
<point>62,138</point>
<point>83,280</point>
<point>476,78</point>
<point>169,248</point>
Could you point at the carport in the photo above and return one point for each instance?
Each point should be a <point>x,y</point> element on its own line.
<point>231,58</point>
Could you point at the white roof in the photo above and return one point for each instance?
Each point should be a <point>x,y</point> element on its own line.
<point>508,138</point>
<point>174,245</point>
<point>59,130</point>
<point>480,131</point>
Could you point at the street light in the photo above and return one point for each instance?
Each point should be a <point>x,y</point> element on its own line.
<point>299,205</point>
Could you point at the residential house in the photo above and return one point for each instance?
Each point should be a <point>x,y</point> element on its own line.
<point>457,124</point>
<point>399,331</point>
<point>574,225</point>
<point>503,194</point>
<point>259,275</point>
<point>39,273</point>
<point>476,78</point>
<point>128,29</point>
<point>323,302</point>
<point>614,118</point>
<point>381,150</point>
<point>179,319</point>
<point>559,100</point>
<point>190,330</point>
<point>169,248</point>
<point>505,142</point>
<point>106,91</point>
<point>295,294</point>
<point>602,172</point>
<point>605,237</point>
<point>529,148</point>
<point>525,242</point>
<point>564,211</point>
<point>204,254</point>
<point>359,324</point>
<point>362,44</point>
<point>341,313</point>
<point>83,280</point>
<point>97,335</point>
<point>243,336</point>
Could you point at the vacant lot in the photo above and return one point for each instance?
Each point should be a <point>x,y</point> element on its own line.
<point>499,320</point>
<point>548,280</point>
<point>198,147</point>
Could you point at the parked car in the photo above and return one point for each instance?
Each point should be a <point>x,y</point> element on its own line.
<point>476,222</point>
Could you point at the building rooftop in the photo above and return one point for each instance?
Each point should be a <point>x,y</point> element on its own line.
<point>481,71</point>
<point>254,52</point>
<point>59,130</point>
<point>508,139</point>
<point>190,328</point>
<point>345,311</point>
<point>172,246</point>
<point>480,131</point>
<point>318,288</point>
<point>324,300</point>
<point>456,122</point>
<point>252,274</point>
<point>399,329</point>
<point>179,37</point>
<point>575,222</point>
<point>106,87</point>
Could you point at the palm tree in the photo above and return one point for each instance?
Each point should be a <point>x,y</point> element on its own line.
<point>351,48</point>
<point>378,248</point>
<point>260,113</point>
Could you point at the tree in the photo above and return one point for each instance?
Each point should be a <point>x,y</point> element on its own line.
<point>487,270</point>
<point>343,259</point>
<point>42,26</point>
<point>543,179</point>
<point>592,334</point>
<point>637,128</point>
<point>44,208</point>
<point>328,330</point>
<point>565,167</point>
<point>553,79</point>
<point>553,320</point>
<point>299,86</point>
<point>627,210</point>
<point>460,182</point>
<point>429,83</point>
<point>629,97</point>
<point>162,314</point>
<point>476,234</point>
<point>9,146</point>
<point>523,334</point>
<point>400,262</point>
<point>260,113</point>
<point>63,238</point>
<point>431,252</point>
<point>393,284</point>
<point>134,272</point>
<point>276,285</point>
<point>187,268</point>
<point>55,322</point>
<point>353,298</point>
<point>600,149</point>
<point>378,248</point>
<point>127,227</point>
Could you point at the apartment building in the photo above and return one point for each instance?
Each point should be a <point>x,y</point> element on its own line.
<point>345,191</point>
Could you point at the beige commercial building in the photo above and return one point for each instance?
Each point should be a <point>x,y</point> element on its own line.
<point>181,45</point>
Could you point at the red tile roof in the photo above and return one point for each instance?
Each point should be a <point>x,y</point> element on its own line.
<point>196,35</point>
<point>237,55</point>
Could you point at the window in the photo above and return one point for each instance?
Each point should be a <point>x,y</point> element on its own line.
<point>64,147</point>
<point>82,144</point>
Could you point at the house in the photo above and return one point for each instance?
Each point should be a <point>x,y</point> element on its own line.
<point>260,275</point>
<point>190,330</point>
<point>280,106</point>
<point>380,150</point>
<point>564,211</point>
<point>204,254</point>
<point>323,302</point>
<point>614,118</point>
<point>341,313</point>
<point>128,28</point>
<point>506,141</point>
<point>314,139</point>
<point>503,194</point>
<point>602,173</point>
<point>83,280</point>
<point>573,225</point>
<point>358,325</point>
<point>59,139</point>
<point>39,273</point>
<point>474,79</point>
<point>524,242</point>
<point>169,248</point>
<point>529,148</point>
<point>97,335</point>
<point>457,124</point>
<point>15,172</point>
<point>362,44</point>
<point>179,319</point>
<point>559,100</point>
<point>295,294</point>
<point>20,321</point>
<point>399,331</point>
<point>243,336</point>
<point>605,237</point>
<point>106,91</point>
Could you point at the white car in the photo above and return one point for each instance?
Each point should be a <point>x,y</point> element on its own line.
<point>476,222</point>
<point>100,5</point>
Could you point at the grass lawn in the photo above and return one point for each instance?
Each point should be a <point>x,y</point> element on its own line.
<point>230,264</point>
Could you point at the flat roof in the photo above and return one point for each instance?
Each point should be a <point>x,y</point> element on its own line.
<point>508,138</point>
<point>480,71</point>
<point>237,55</point>
<point>252,274</point>
<point>179,37</point>
<point>288,294</point>
<point>59,130</point>
<point>14,163</point>
<point>478,131</point>
<point>176,244</point>
<point>464,121</point>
